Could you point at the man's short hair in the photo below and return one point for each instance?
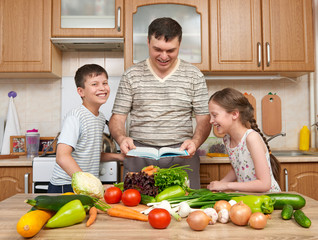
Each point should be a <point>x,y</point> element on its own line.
<point>165,27</point>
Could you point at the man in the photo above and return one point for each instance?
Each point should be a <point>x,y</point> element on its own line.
<point>161,94</point>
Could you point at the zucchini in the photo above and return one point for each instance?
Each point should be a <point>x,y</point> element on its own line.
<point>145,199</point>
<point>287,212</point>
<point>281,199</point>
<point>54,203</point>
<point>302,219</point>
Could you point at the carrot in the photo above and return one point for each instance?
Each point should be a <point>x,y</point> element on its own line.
<point>92,216</point>
<point>126,212</point>
<point>151,172</point>
<point>148,168</point>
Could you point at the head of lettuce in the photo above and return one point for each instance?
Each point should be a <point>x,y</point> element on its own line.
<point>87,184</point>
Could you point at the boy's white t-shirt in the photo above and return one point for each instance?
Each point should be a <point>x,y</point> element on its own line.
<point>81,130</point>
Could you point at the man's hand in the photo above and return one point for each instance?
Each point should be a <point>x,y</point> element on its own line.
<point>127,144</point>
<point>190,146</point>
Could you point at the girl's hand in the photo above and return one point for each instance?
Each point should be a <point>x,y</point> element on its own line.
<point>217,186</point>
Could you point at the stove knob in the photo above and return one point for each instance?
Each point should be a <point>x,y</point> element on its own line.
<point>102,171</point>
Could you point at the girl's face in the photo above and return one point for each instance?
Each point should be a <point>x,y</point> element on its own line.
<point>220,118</point>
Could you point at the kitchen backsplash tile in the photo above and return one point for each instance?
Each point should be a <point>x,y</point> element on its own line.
<point>92,57</point>
<point>70,63</point>
<point>39,101</point>
<point>288,91</point>
<point>114,63</point>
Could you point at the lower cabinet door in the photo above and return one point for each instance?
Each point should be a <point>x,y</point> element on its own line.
<point>300,177</point>
<point>14,180</point>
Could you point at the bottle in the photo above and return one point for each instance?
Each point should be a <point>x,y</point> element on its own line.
<point>32,143</point>
<point>304,138</point>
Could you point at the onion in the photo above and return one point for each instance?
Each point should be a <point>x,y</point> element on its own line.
<point>198,220</point>
<point>257,220</point>
<point>222,204</point>
<point>240,214</point>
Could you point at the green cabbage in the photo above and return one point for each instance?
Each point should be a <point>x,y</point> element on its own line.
<point>87,184</point>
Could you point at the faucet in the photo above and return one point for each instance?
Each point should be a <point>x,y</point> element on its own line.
<point>279,134</point>
<point>315,124</point>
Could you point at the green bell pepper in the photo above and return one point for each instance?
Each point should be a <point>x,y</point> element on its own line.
<point>261,203</point>
<point>69,214</point>
<point>170,192</point>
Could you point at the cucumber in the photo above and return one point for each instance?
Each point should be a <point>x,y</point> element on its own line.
<point>302,219</point>
<point>54,203</point>
<point>147,199</point>
<point>281,199</point>
<point>287,212</point>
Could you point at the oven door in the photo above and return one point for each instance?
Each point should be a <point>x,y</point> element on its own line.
<point>40,187</point>
<point>42,172</point>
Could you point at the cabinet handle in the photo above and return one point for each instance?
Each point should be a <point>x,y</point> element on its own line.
<point>268,54</point>
<point>26,183</point>
<point>259,54</point>
<point>286,179</point>
<point>118,19</point>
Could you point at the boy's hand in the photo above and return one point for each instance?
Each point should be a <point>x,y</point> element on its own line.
<point>126,145</point>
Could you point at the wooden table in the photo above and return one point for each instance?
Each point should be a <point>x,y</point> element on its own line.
<point>107,227</point>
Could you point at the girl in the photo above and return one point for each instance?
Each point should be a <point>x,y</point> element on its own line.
<point>254,169</point>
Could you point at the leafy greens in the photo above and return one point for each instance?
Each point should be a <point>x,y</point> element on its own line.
<point>167,177</point>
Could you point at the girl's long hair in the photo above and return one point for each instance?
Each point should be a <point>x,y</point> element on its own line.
<point>231,100</point>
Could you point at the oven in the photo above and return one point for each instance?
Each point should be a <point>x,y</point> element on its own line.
<point>109,173</point>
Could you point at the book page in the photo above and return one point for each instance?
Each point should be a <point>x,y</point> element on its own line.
<point>168,151</point>
<point>144,152</point>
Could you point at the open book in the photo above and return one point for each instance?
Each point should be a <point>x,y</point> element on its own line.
<point>148,152</point>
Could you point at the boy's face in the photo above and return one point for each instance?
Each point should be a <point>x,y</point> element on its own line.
<point>96,91</point>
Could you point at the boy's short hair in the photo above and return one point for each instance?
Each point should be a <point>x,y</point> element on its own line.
<point>165,27</point>
<point>88,70</point>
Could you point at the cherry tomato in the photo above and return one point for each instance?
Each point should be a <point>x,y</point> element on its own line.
<point>112,195</point>
<point>131,197</point>
<point>159,218</point>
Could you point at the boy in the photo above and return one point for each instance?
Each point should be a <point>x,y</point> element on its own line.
<point>80,141</point>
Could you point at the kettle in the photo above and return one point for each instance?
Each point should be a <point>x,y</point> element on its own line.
<point>108,143</point>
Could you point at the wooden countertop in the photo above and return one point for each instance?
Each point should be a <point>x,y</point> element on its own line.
<point>281,159</point>
<point>107,227</point>
<point>23,161</point>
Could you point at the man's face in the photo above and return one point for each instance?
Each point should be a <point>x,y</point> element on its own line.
<point>162,54</point>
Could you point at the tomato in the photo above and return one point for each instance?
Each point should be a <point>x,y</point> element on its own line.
<point>159,218</point>
<point>112,195</point>
<point>131,197</point>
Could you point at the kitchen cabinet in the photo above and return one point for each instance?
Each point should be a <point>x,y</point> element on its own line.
<point>87,18</point>
<point>25,47</point>
<point>213,172</point>
<point>261,36</point>
<point>191,15</point>
<point>14,180</point>
<point>300,177</point>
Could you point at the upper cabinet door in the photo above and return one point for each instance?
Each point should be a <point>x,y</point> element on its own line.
<point>192,15</point>
<point>236,38</point>
<point>87,18</point>
<point>288,35</point>
<point>25,46</point>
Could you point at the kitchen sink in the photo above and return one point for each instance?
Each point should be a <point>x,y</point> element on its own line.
<point>292,153</point>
